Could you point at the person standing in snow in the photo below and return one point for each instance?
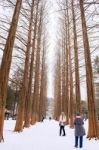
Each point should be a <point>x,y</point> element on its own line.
<point>62,123</point>
<point>79,130</point>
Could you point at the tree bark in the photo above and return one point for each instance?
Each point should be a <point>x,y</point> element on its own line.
<point>24,88</point>
<point>67,63</point>
<point>6,63</point>
<point>36,96</point>
<point>93,128</point>
<point>29,93</point>
<point>77,80</point>
<point>32,61</point>
<point>63,73</point>
<point>57,89</point>
<point>70,79</point>
<point>43,88</point>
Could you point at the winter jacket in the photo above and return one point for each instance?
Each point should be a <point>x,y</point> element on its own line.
<point>62,120</point>
<point>79,128</point>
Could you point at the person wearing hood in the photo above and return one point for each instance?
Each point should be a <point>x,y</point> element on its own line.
<point>79,130</point>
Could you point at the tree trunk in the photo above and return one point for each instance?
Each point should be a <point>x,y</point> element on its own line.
<point>70,80</point>
<point>93,129</point>
<point>77,81</point>
<point>67,63</point>
<point>36,97</point>
<point>63,74</point>
<point>29,93</point>
<point>43,88</point>
<point>6,63</point>
<point>33,117</point>
<point>24,88</point>
<point>57,89</point>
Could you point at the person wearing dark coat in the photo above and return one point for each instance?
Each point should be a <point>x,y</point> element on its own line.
<point>79,130</point>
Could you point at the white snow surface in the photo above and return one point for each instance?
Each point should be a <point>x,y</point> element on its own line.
<point>43,136</point>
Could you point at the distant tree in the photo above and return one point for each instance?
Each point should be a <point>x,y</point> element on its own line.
<point>96,82</point>
<point>10,98</point>
<point>96,66</point>
<point>84,107</point>
<point>77,79</point>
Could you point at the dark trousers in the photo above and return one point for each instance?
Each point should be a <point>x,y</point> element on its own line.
<point>80,138</point>
<point>62,129</point>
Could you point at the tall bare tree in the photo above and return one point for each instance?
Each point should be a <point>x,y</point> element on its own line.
<point>70,105</point>
<point>34,50</point>
<point>43,86</point>
<point>29,90</point>
<point>57,88</point>
<point>6,63</point>
<point>93,129</point>
<point>36,96</point>
<point>63,73</point>
<point>24,88</point>
<point>77,79</point>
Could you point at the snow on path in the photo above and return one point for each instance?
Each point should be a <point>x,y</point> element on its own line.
<point>42,136</point>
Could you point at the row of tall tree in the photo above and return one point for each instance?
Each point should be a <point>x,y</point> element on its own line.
<point>73,48</point>
<point>25,45</point>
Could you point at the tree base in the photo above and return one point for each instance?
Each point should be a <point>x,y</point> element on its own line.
<point>89,138</point>
<point>1,139</point>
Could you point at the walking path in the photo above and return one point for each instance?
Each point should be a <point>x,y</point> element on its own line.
<point>42,136</point>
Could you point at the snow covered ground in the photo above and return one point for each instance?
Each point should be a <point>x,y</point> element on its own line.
<point>43,136</point>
